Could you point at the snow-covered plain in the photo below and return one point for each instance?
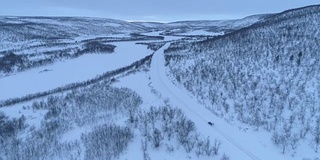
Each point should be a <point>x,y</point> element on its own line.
<point>70,71</point>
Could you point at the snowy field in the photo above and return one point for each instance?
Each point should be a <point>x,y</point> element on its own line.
<point>75,70</point>
<point>166,38</point>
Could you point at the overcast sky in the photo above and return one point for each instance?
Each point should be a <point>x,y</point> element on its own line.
<point>149,10</point>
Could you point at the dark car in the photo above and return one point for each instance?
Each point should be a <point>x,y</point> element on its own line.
<point>210,123</point>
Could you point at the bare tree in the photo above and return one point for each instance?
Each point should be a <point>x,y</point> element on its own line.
<point>199,147</point>
<point>144,147</point>
<point>184,129</point>
<point>225,157</point>
<point>305,129</point>
<point>294,141</point>
<point>316,134</point>
<point>216,146</point>
<point>156,137</point>
<point>207,147</point>
<point>280,140</point>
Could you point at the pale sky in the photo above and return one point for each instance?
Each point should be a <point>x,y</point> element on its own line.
<point>149,10</point>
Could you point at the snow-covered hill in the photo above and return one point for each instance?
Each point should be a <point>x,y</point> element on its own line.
<point>225,24</point>
<point>16,29</point>
<point>265,75</point>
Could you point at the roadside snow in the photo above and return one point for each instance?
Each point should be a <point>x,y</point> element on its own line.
<point>140,83</point>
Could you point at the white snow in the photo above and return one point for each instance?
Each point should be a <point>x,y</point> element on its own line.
<point>157,33</point>
<point>202,33</point>
<point>33,117</point>
<point>166,38</point>
<point>88,37</point>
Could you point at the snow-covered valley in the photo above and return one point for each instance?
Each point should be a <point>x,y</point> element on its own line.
<point>145,92</point>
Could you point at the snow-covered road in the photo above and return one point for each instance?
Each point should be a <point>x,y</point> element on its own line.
<point>236,143</point>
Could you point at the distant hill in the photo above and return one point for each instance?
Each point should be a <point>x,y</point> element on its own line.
<point>15,29</point>
<point>218,25</point>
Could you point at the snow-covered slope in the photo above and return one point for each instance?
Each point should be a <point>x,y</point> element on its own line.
<point>264,75</point>
<point>236,147</point>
